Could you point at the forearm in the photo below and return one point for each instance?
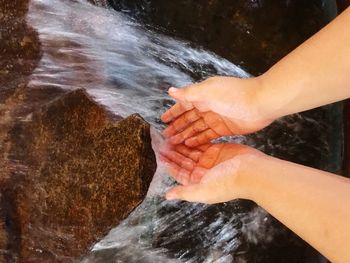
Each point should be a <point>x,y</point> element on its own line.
<point>312,203</point>
<point>315,74</point>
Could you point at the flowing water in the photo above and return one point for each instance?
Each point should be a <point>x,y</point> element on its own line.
<point>129,68</point>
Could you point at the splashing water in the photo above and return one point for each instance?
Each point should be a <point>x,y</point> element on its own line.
<point>125,67</point>
<point>129,69</point>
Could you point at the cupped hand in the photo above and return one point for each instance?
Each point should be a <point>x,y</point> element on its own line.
<point>209,173</point>
<point>216,107</point>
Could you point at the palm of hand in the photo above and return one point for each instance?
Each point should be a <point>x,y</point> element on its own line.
<point>189,165</point>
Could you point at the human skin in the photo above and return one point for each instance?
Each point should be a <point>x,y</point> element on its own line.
<point>315,74</point>
<point>216,107</point>
<point>312,203</point>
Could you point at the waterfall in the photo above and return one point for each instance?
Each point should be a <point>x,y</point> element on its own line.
<point>129,69</point>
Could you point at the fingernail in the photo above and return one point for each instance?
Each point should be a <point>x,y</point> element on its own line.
<point>171,196</point>
<point>173,90</point>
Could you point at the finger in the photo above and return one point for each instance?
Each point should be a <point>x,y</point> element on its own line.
<point>183,176</point>
<point>182,122</point>
<point>180,175</point>
<point>179,159</point>
<point>202,138</point>
<point>164,159</point>
<point>192,130</point>
<point>191,153</point>
<point>204,147</point>
<point>192,93</point>
<point>216,186</point>
<point>218,123</point>
<point>192,193</point>
<point>175,111</point>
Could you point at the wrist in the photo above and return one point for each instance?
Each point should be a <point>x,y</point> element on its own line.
<point>247,180</point>
<point>269,101</point>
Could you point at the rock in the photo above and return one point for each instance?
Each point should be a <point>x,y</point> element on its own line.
<point>343,4</point>
<point>16,63</point>
<point>69,171</point>
<point>252,34</point>
<point>346,158</point>
<point>19,47</point>
<point>75,172</point>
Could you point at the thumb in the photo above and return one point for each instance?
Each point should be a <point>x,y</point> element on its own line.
<point>217,186</point>
<point>192,93</point>
<point>191,193</point>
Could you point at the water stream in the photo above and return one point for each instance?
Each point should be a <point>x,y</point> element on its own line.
<point>129,68</point>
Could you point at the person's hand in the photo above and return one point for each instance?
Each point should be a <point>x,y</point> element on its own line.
<point>210,173</point>
<point>216,107</point>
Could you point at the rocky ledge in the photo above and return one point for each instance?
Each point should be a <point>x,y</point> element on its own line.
<point>71,172</point>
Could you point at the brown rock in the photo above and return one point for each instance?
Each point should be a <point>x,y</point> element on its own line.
<point>74,174</point>
<point>19,47</point>
<point>68,172</point>
<point>16,63</point>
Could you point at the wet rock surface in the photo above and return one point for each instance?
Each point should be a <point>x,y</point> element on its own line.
<point>346,164</point>
<point>19,54</point>
<point>70,171</point>
<point>252,34</point>
<point>19,47</point>
<point>74,174</point>
<point>343,4</point>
